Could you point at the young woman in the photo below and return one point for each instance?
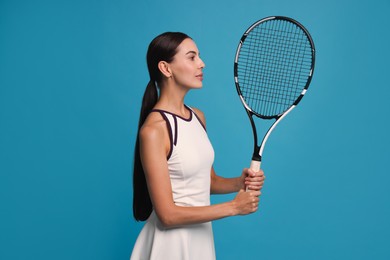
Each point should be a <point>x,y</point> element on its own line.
<point>173,172</point>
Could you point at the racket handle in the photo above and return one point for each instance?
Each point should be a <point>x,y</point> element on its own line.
<point>255,166</point>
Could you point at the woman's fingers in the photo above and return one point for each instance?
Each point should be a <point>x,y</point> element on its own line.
<point>255,180</point>
<point>247,202</point>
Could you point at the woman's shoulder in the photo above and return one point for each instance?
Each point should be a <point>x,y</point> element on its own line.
<point>154,127</point>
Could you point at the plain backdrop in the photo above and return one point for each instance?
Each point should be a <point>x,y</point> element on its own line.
<point>72,75</point>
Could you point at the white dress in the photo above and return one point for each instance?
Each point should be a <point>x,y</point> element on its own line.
<point>189,163</point>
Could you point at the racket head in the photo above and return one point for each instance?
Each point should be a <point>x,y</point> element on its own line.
<point>273,66</point>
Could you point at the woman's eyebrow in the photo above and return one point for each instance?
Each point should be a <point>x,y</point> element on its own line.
<point>191,52</point>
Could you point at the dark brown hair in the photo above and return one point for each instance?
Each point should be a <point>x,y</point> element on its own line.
<point>162,48</point>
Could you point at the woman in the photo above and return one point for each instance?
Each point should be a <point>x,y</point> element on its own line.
<point>173,173</point>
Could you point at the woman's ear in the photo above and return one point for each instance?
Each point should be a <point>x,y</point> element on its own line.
<point>163,66</point>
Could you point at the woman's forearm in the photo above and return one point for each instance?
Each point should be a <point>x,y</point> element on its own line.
<point>221,185</point>
<point>173,216</point>
<point>177,216</point>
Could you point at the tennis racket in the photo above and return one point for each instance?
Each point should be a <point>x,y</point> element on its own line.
<point>273,67</point>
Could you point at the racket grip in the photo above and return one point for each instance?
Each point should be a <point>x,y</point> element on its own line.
<point>255,166</point>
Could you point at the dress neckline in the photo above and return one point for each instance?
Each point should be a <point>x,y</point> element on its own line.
<point>179,116</point>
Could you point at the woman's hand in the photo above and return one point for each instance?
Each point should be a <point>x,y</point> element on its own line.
<point>253,180</point>
<point>246,202</point>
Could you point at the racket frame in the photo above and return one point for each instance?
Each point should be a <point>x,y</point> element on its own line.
<point>258,149</point>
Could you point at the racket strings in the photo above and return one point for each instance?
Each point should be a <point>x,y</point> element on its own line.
<point>273,66</point>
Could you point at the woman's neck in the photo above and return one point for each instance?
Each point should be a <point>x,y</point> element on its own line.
<point>172,101</point>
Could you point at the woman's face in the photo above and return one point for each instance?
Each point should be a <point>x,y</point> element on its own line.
<point>187,66</point>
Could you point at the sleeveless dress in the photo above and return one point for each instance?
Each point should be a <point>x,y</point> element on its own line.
<point>189,163</point>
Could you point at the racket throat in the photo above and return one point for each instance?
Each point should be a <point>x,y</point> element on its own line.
<point>256,154</point>
<point>256,149</point>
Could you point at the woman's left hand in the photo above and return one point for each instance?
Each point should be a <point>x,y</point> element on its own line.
<point>253,180</point>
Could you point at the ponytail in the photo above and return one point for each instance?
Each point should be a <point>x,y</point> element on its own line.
<point>148,102</point>
<point>142,205</point>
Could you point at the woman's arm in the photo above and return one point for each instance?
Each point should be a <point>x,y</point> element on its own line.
<point>221,185</point>
<point>154,147</point>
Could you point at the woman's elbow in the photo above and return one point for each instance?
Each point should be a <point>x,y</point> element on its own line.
<point>167,223</point>
<point>168,219</point>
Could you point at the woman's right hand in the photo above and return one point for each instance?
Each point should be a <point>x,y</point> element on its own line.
<point>246,202</point>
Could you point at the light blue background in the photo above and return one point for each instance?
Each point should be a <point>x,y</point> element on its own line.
<point>72,74</point>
